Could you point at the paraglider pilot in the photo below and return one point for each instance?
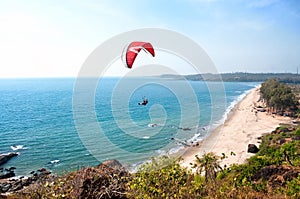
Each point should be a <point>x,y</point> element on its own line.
<point>145,102</point>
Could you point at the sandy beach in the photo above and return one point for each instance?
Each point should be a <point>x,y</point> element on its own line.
<point>243,126</point>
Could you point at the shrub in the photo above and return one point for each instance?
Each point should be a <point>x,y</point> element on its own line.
<point>164,178</point>
<point>293,188</point>
<point>297,132</point>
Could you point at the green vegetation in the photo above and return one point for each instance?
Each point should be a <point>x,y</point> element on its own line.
<point>164,178</point>
<point>279,97</point>
<point>209,163</point>
<point>274,172</point>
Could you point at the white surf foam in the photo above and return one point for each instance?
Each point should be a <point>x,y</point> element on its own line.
<point>18,147</point>
<point>54,161</point>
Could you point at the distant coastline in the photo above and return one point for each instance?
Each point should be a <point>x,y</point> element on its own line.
<point>237,77</point>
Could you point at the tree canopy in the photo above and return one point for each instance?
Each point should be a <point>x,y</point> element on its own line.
<point>278,96</point>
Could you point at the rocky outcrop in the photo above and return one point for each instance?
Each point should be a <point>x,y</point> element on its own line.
<point>283,130</point>
<point>14,185</point>
<point>252,148</point>
<point>115,164</point>
<point>6,157</point>
<point>276,176</point>
<point>108,180</point>
<point>7,173</point>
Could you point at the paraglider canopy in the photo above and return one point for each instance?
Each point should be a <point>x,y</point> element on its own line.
<point>132,50</point>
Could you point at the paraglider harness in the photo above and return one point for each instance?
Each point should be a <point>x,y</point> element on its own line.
<point>145,102</point>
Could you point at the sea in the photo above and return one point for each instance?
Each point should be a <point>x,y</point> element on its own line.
<point>64,124</point>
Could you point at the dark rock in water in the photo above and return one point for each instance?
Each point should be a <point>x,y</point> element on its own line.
<point>13,185</point>
<point>5,157</point>
<point>252,148</point>
<point>42,170</point>
<point>185,128</point>
<point>12,168</point>
<point>115,164</point>
<point>45,173</point>
<point>7,175</point>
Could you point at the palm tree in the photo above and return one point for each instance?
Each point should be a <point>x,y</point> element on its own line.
<point>209,163</point>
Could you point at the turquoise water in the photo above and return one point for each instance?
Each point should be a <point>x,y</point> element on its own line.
<point>39,116</point>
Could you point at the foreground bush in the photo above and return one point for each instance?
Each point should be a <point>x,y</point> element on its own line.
<point>164,178</point>
<point>102,181</point>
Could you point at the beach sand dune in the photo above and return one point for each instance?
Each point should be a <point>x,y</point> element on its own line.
<point>243,126</point>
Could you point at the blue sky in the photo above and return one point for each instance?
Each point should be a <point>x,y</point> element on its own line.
<point>52,38</point>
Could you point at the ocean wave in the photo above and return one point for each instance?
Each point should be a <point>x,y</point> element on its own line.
<point>203,131</point>
<point>54,161</point>
<point>228,110</point>
<point>18,147</point>
<point>196,138</point>
<point>175,150</point>
<point>233,104</point>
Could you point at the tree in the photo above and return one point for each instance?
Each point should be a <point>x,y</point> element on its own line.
<point>210,164</point>
<point>278,96</point>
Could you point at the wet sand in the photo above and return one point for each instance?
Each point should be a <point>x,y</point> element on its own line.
<point>243,126</point>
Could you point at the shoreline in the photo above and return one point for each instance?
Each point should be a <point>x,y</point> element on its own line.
<point>220,139</point>
<point>242,126</point>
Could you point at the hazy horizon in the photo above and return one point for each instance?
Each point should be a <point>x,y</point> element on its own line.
<point>74,77</point>
<point>54,39</point>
